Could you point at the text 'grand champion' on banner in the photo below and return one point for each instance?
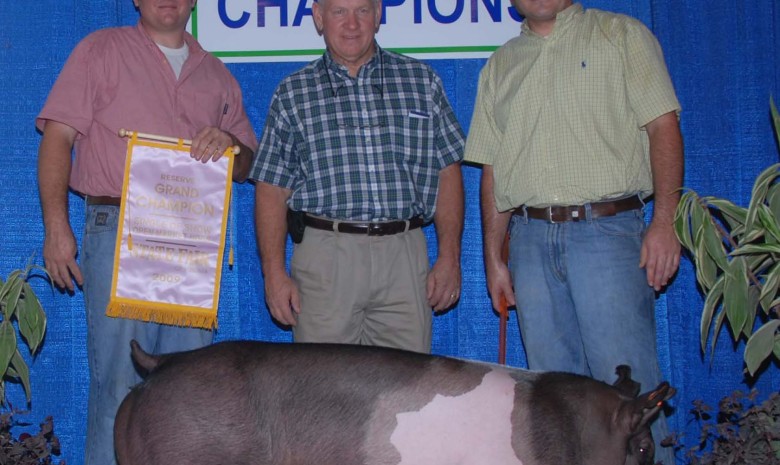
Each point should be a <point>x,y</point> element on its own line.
<point>171,235</point>
<point>283,30</point>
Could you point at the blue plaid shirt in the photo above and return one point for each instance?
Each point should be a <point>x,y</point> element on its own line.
<point>362,149</point>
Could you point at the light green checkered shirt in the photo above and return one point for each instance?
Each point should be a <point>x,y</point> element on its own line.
<point>561,118</point>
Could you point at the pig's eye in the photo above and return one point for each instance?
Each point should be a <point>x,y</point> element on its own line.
<point>643,456</point>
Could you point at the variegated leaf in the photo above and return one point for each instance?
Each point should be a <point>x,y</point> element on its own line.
<point>760,189</point>
<point>760,346</point>
<point>8,283</point>
<point>32,319</point>
<point>773,199</point>
<point>716,332</point>
<point>714,245</point>
<point>682,223</point>
<point>770,287</point>
<point>756,249</point>
<point>769,222</point>
<point>710,305</point>
<point>23,372</point>
<point>735,296</point>
<point>733,214</point>
<point>7,345</point>
<point>752,309</point>
<point>706,268</point>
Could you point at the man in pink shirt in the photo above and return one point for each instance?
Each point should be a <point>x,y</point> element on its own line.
<point>154,78</point>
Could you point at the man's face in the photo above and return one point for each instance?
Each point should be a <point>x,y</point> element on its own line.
<point>162,16</point>
<point>540,11</point>
<point>348,27</point>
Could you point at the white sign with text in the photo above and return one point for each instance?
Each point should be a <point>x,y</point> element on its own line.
<point>283,30</point>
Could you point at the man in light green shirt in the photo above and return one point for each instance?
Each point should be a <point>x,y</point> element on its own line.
<point>576,124</point>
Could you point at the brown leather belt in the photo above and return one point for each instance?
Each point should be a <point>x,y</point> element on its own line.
<point>103,200</point>
<point>369,229</point>
<point>564,213</point>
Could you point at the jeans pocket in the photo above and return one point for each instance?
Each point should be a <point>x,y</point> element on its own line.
<point>101,219</point>
<point>626,224</point>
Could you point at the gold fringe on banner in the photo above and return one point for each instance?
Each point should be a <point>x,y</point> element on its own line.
<point>176,315</point>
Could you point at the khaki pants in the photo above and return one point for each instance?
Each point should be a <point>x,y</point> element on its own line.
<point>364,290</point>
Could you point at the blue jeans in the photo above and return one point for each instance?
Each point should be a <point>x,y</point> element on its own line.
<point>583,303</point>
<point>112,373</point>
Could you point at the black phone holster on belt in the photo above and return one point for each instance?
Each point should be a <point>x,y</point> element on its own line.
<point>296,225</point>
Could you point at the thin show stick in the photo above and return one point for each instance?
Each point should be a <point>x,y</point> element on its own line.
<point>503,310</point>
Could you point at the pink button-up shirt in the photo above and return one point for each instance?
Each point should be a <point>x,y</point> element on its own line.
<point>118,78</point>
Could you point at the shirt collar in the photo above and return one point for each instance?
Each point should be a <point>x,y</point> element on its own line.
<point>336,74</point>
<point>562,20</point>
<point>192,44</point>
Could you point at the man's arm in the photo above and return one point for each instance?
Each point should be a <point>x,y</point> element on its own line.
<point>54,165</point>
<point>281,293</point>
<point>660,254</point>
<point>242,163</point>
<point>494,228</point>
<point>443,284</point>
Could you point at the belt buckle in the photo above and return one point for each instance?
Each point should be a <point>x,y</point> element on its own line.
<point>550,215</point>
<point>374,229</point>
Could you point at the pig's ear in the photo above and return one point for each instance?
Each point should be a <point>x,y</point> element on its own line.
<point>647,406</point>
<point>145,363</point>
<point>624,383</point>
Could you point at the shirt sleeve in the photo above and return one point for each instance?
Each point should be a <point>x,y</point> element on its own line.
<point>71,99</point>
<point>484,136</point>
<point>650,90</point>
<point>450,139</point>
<point>236,121</point>
<point>275,162</point>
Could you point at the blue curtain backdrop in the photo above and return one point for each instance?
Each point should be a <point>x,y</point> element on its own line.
<point>723,58</point>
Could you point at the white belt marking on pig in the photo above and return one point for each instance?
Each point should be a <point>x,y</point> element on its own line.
<point>472,428</point>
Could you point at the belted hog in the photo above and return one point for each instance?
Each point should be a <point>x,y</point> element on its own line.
<point>245,402</point>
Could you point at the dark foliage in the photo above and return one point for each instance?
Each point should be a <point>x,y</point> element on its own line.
<point>741,433</point>
<point>27,449</point>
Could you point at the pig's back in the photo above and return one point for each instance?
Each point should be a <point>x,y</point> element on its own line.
<point>328,404</point>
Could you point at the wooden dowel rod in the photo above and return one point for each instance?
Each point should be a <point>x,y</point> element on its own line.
<point>125,133</point>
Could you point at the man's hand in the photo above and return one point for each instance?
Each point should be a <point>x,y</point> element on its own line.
<point>210,144</point>
<point>443,284</point>
<point>59,255</point>
<point>660,255</point>
<point>284,302</point>
<point>499,283</point>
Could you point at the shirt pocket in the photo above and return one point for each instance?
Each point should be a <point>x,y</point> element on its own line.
<point>410,135</point>
<point>200,109</point>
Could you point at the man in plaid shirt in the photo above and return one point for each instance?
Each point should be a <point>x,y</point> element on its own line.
<point>364,146</point>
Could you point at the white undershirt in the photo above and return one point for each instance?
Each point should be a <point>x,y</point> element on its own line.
<point>176,57</point>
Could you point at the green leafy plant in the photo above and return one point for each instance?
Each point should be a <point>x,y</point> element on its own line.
<point>19,303</point>
<point>736,251</point>
<point>741,433</point>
